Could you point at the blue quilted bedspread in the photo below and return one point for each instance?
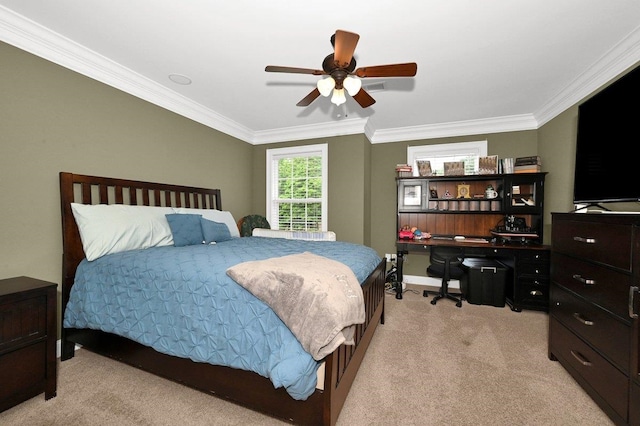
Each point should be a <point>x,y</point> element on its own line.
<point>180,301</point>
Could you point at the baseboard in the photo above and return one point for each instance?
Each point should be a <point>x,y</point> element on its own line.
<point>428,281</point>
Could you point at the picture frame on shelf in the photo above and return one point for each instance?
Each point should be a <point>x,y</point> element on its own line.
<point>412,195</point>
<point>488,165</point>
<point>424,168</point>
<point>454,168</point>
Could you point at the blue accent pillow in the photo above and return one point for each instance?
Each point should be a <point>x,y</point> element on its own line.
<point>214,232</point>
<point>185,228</point>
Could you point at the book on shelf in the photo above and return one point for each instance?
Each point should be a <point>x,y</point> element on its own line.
<point>404,170</point>
<point>530,168</point>
<point>506,165</point>
<point>531,160</point>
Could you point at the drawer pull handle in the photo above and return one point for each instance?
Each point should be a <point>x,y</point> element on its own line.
<point>535,293</point>
<point>585,281</point>
<point>579,317</point>
<point>581,359</point>
<point>585,240</point>
<point>632,292</point>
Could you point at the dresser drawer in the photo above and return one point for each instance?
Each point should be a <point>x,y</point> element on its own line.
<point>593,372</point>
<point>609,243</point>
<point>602,286</point>
<point>22,322</point>
<point>597,327</point>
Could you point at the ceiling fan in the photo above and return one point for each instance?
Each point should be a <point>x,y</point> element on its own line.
<point>340,66</point>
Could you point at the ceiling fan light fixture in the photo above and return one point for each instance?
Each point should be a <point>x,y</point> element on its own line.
<point>326,85</point>
<point>353,85</point>
<point>338,97</point>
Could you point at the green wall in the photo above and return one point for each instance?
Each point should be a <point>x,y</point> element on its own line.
<point>56,120</point>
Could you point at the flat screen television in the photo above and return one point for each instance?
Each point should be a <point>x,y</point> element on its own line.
<point>606,169</point>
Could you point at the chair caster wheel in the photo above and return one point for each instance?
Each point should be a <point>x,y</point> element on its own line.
<point>459,304</point>
<point>433,302</point>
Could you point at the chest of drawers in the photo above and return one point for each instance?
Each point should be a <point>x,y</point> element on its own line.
<point>27,340</point>
<point>592,329</point>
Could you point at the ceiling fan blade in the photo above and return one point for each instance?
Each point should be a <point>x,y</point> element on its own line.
<point>309,98</point>
<point>395,70</point>
<point>364,99</point>
<point>345,45</point>
<point>275,68</point>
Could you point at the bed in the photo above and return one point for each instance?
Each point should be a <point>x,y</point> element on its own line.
<point>335,371</point>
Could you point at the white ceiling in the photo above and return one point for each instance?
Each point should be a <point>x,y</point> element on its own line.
<point>483,66</point>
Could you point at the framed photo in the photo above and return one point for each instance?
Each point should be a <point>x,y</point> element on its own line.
<point>488,165</point>
<point>454,168</point>
<point>424,168</point>
<point>412,195</point>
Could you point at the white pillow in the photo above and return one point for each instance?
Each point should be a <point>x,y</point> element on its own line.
<point>215,215</point>
<point>113,228</point>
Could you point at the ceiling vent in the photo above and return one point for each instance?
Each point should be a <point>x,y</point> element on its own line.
<point>374,87</point>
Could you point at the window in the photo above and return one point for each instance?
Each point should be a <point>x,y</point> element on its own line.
<point>469,152</point>
<point>297,188</point>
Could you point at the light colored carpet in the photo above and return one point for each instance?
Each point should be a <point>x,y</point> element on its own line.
<point>427,365</point>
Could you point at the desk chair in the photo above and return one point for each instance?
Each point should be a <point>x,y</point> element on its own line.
<point>445,264</point>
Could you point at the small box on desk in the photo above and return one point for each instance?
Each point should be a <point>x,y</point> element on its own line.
<point>484,282</point>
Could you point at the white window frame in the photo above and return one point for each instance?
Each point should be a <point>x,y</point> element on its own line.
<point>444,150</point>
<point>273,156</point>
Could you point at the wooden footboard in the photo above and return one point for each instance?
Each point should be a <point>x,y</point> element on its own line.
<point>243,387</point>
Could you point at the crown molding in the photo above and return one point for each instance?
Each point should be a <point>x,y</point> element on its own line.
<point>40,41</point>
<point>618,59</point>
<point>312,131</point>
<point>459,128</point>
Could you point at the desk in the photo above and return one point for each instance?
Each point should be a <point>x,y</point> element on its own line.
<point>530,263</point>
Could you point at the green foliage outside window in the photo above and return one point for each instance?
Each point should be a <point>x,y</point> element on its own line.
<point>299,193</point>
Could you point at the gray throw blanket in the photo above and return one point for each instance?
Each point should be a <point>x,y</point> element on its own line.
<point>319,299</point>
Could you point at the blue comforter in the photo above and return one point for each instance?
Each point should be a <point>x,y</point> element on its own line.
<point>180,301</point>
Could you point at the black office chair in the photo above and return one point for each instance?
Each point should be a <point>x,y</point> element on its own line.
<point>445,264</point>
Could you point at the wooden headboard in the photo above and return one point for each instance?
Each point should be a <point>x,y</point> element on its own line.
<point>85,189</point>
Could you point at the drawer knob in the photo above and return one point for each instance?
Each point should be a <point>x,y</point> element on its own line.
<point>632,292</point>
<point>585,240</point>
<point>580,358</point>
<point>535,293</point>
<point>585,281</point>
<point>579,317</point>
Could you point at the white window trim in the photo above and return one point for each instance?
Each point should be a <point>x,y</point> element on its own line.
<point>275,154</point>
<point>414,153</point>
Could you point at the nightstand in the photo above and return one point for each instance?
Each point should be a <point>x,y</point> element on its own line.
<point>27,340</point>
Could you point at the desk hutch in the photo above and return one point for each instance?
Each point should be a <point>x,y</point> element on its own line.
<point>448,206</point>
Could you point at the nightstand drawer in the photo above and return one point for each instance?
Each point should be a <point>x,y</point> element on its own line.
<point>27,340</point>
<point>593,371</point>
<point>22,322</point>
<point>22,374</point>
